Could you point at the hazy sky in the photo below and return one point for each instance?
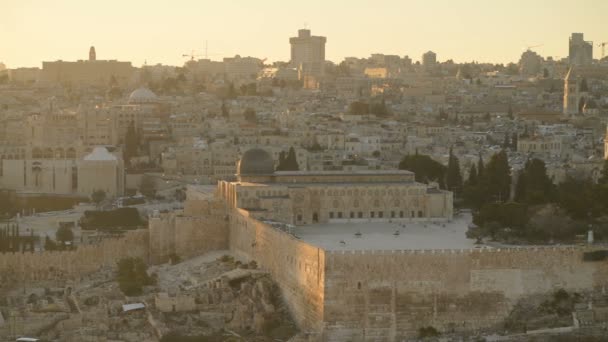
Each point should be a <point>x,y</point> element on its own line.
<point>160,31</point>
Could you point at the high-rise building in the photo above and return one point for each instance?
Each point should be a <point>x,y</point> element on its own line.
<point>308,53</point>
<point>580,51</point>
<point>429,58</point>
<point>530,63</point>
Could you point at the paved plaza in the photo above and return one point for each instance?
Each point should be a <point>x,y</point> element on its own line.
<point>389,236</point>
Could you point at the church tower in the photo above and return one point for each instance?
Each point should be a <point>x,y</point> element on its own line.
<point>575,90</point>
<point>92,55</point>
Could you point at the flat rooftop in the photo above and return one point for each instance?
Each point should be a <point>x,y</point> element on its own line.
<point>383,235</point>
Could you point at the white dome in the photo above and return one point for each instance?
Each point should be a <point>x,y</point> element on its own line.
<point>100,153</point>
<point>142,95</point>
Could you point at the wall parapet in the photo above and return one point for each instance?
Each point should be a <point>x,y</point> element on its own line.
<point>465,250</point>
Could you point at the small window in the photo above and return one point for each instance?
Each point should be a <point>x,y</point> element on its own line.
<point>372,214</point>
<point>359,285</point>
<point>360,214</point>
<point>401,214</point>
<point>381,214</point>
<point>413,214</point>
<point>352,214</point>
<point>299,217</point>
<point>339,214</point>
<point>419,213</point>
<point>392,214</point>
<point>331,214</point>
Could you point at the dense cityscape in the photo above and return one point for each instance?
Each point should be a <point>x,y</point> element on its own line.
<point>380,198</point>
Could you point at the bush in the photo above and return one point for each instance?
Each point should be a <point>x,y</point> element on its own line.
<point>425,332</point>
<point>132,276</point>
<point>118,218</point>
<point>595,255</point>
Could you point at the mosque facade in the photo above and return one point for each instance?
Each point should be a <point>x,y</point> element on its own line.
<point>310,197</point>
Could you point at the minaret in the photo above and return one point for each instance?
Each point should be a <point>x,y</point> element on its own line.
<point>92,55</point>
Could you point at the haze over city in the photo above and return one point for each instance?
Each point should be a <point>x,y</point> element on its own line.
<point>160,32</point>
<point>273,171</point>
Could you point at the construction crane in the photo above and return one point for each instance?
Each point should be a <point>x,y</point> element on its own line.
<point>603,45</point>
<point>192,55</point>
<point>533,46</point>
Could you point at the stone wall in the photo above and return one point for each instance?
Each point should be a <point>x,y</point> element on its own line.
<point>389,295</point>
<point>297,267</point>
<point>201,227</point>
<point>66,265</point>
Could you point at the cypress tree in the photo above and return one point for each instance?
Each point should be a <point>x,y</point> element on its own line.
<point>281,165</point>
<point>472,175</point>
<point>480,167</point>
<point>498,176</point>
<point>291,162</point>
<point>453,176</point>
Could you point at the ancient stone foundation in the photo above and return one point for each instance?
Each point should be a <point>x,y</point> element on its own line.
<point>71,265</point>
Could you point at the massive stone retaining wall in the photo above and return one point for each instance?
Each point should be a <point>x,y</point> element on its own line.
<point>296,266</point>
<point>389,295</point>
<point>201,227</point>
<point>71,265</point>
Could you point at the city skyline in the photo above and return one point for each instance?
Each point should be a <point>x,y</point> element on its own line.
<point>475,31</point>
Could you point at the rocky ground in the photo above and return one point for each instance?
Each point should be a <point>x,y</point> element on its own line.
<point>209,298</point>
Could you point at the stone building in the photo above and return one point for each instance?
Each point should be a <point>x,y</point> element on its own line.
<point>101,170</point>
<point>308,197</point>
<point>91,71</point>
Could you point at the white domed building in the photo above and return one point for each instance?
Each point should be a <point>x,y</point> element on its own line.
<point>143,96</point>
<point>101,170</point>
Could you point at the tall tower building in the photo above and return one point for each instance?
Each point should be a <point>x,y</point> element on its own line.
<point>429,58</point>
<point>580,52</point>
<point>92,54</point>
<point>575,92</point>
<point>308,53</point>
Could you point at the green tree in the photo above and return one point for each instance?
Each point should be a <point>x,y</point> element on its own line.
<point>288,162</point>
<point>425,169</point>
<point>131,143</point>
<point>453,175</point>
<point>533,184</point>
<point>98,196</point>
<point>132,276</point>
<point>147,186</point>
<point>472,180</point>
<point>498,176</point>
<point>575,196</point>
<point>480,167</point>
<point>49,245</point>
<point>64,234</point>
